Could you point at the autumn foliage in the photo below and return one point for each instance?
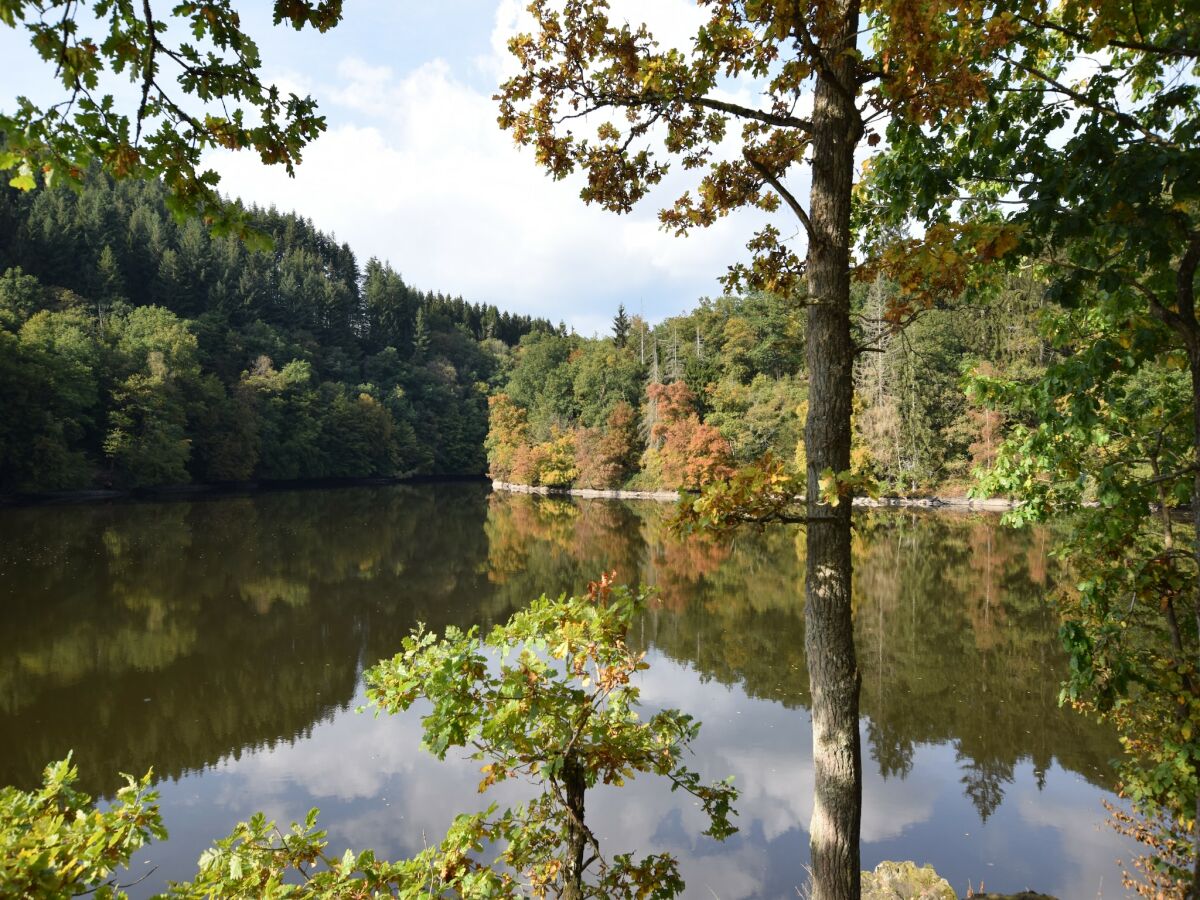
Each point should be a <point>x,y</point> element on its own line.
<point>687,453</point>
<point>606,457</point>
<point>674,450</point>
<point>506,434</point>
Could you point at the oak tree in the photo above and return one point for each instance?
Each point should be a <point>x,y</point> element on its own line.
<point>602,97</point>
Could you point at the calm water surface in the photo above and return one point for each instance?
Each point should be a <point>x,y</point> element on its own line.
<point>222,642</point>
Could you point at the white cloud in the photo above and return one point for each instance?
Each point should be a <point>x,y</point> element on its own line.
<point>1072,807</point>
<point>415,170</point>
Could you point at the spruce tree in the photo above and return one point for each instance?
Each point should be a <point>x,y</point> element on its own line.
<point>620,327</point>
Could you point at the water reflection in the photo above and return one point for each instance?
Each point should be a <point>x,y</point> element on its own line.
<point>222,641</point>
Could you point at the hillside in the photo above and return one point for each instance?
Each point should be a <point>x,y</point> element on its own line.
<point>136,351</point>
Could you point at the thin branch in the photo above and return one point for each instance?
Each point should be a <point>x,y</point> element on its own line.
<point>734,109</point>
<point>147,69</point>
<point>783,192</point>
<point>1144,46</point>
<point>62,56</point>
<point>746,112</point>
<point>1173,476</point>
<point>1084,100</point>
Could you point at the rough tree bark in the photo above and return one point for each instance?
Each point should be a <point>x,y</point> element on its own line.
<point>1194,364</point>
<point>574,786</point>
<point>833,669</point>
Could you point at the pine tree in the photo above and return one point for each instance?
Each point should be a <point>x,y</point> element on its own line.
<point>420,335</point>
<point>620,327</point>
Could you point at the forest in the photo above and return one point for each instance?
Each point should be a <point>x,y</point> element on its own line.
<point>142,351</point>
<point>137,350</point>
<point>686,401</point>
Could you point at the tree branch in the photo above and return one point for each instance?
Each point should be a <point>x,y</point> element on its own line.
<point>147,69</point>
<point>1144,46</point>
<point>747,112</point>
<point>1084,100</point>
<point>783,192</point>
<point>733,109</point>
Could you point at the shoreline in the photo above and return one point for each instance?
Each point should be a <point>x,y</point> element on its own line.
<point>989,504</point>
<point>225,489</point>
<point>219,489</point>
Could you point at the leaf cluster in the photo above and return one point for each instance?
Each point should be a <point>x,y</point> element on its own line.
<point>55,843</point>
<point>550,696</point>
<point>196,94</point>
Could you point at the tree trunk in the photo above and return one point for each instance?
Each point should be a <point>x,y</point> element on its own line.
<point>574,786</point>
<point>833,671</point>
<point>1194,360</point>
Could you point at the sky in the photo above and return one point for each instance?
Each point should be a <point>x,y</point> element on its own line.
<point>413,168</point>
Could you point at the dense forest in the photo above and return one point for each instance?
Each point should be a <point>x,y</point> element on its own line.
<point>138,351</point>
<point>685,401</point>
<point>135,350</point>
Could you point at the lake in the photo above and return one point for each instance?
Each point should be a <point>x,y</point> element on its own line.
<point>222,642</point>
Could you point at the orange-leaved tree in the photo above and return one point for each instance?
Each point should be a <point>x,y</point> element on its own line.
<point>690,454</point>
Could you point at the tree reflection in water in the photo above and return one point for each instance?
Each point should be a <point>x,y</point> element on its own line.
<point>956,642</point>
<point>180,634</point>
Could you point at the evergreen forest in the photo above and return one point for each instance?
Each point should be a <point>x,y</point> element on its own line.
<point>138,350</point>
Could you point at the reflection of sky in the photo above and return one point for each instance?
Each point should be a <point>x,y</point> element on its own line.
<point>377,788</point>
<point>958,652</point>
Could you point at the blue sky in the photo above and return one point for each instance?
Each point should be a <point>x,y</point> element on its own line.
<point>414,170</point>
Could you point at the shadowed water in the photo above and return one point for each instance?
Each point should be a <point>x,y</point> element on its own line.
<point>222,642</point>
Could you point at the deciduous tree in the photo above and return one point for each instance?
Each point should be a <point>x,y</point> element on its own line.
<point>1087,152</point>
<point>202,93</point>
<point>579,62</point>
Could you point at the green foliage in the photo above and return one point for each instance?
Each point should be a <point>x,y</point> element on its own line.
<point>139,352</point>
<point>604,375</point>
<point>542,382</point>
<point>742,358</point>
<point>1105,437</point>
<point>550,695</point>
<point>197,95</point>
<point>258,860</point>
<point>1087,154</point>
<point>54,843</point>
<point>620,327</point>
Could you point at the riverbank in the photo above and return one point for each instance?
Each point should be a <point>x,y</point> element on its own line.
<point>223,489</point>
<point>989,504</point>
<point>218,489</point>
